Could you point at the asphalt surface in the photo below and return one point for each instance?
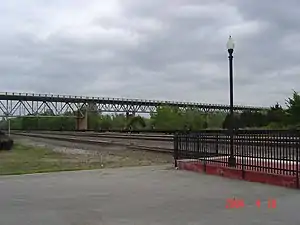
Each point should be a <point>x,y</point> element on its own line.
<point>141,196</point>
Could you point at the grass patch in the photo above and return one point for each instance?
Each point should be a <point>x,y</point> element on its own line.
<point>24,159</point>
<point>27,159</point>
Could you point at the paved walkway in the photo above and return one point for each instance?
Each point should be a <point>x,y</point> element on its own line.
<point>140,196</point>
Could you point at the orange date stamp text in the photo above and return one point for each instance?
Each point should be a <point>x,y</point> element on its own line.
<point>237,203</point>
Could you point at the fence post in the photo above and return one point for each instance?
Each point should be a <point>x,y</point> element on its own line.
<point>217,144</point>
<point>201,141</point>
<point>175,149</point>
<point>297,163</point>
<point>198,146</point>
<point>240,143</point>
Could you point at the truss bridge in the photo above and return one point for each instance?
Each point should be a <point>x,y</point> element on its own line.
<point>27,104</point>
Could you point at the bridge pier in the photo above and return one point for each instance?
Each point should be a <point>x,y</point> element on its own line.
<point>82,121</point>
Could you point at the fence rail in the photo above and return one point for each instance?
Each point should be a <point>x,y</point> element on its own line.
<point>268,151</point>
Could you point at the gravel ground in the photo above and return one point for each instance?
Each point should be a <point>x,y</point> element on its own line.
<point>250,150</point>
<point>56,146</point>
<point>115,155</point>
<point>149,143</point>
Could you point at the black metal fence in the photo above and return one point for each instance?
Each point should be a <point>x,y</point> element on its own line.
<point>269,151</point>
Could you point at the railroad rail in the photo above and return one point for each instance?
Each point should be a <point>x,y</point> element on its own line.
<point>192,145</point>
<point>151,137</point>
<point>85,140</point>
<point>210,138</point>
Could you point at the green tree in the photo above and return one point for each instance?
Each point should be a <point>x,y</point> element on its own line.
<point>137,122</point>
<point>215,120</point>
<point>293,111</point>
<point>236,122</point>
<point>119,121</point>
<point>276,116</point>
<point>105,122</point>
<point>167,118</point>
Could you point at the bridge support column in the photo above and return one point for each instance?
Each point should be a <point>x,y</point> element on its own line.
<point>82,122</point>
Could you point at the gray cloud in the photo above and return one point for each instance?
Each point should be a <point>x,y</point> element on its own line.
<point>159,49</point>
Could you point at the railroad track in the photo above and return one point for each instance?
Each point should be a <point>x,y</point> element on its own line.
<point>259,142</point>
<point>151,137</point>
<point>207,144</point>
<point>89,140</point>
<point>207,138</point>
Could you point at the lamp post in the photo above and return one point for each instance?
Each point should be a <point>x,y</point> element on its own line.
<point>230,48</point>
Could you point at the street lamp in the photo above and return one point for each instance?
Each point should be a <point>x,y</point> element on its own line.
<point>230,48</point>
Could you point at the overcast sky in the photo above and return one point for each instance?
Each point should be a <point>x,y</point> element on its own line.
<point>151,49</point>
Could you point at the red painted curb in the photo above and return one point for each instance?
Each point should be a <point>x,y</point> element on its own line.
<point>235,173</point>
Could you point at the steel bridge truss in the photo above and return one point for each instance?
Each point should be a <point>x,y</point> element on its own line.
<point>20,104</point>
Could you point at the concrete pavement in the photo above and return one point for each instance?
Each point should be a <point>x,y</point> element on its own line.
<point>142,196</point>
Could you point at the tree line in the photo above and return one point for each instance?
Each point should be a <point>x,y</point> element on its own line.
<point>170,118</point>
